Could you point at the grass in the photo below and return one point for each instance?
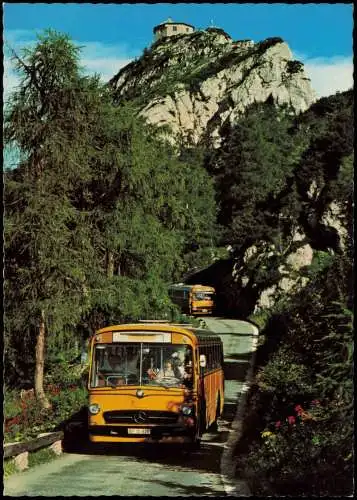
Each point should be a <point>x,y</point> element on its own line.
<point>260,319</point>
<point>9,467</point>
<point>41,456</point>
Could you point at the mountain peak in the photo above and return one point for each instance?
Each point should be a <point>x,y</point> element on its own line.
<point>195,81</point>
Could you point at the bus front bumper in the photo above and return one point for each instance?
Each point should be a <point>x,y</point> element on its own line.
<point>157,434</point>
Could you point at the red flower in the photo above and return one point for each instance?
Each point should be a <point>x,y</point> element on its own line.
<point>291,420</point>
<point>12,421</point>
<point>298,409</point>
<point>277,424</point>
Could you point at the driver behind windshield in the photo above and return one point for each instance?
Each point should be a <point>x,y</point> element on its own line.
<point>115,362</point>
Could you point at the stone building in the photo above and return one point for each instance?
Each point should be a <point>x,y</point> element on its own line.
<point>170,28</point>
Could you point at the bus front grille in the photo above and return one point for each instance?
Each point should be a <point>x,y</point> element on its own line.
<point>140,417</point>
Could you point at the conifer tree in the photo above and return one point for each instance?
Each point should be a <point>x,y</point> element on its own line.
<point>47,120</point>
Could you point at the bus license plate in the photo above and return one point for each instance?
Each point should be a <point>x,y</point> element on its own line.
<point>138,431</point>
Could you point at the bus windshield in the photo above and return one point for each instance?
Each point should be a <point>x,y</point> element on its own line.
<point>203,296</point>
<point>142,364</point>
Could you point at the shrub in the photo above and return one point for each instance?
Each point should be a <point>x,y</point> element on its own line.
<point>67,402</point>
<point>294,67</point>
<point>219,31</point>
<point>41,456</point>
<point>260,319</point>
<point>300,454</point>
<point>11,403</point>
<point>9,467</point>
<point>299,429</point>
<point>30,419</point>
<point>286,377</point>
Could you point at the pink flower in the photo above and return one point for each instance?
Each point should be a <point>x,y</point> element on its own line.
<point>315,402</point>
<point>298,409</point>
<point>277,424</point>
<point>291,420</point>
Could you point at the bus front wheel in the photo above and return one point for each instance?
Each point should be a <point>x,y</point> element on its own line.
<point>194,445</point>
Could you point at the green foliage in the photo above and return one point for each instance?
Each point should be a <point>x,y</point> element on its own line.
<point>326,163</point>
<point>267,43</point>
<point>62,372</point>
<point>25,418</point>
<point>302,404</point>
<point>41,456</point>
<point>67,402</point>
<point>252,172</point>
<point>285,376</point>
<point>219,31</point>
<point>100,211</point>
<point>260,319</point>
<point>9,467</point>
<point>294,67</point>
<point>320,261</point>
<point>300,453</point>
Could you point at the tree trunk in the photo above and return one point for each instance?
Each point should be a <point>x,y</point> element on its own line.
<point>40,361</point>
<point>110,264</point>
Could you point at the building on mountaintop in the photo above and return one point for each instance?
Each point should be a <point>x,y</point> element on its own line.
<point>170,28</point>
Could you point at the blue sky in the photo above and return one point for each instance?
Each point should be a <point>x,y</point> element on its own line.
<point>320,35</point>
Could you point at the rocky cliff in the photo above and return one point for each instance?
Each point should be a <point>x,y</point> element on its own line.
<point>265,272</point>
<point>194,84</point>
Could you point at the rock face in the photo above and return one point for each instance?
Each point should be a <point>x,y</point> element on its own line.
<point>196,83</point>
<point>193,86</point>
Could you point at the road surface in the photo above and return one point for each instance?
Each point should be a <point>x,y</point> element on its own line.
<point>132,470</point>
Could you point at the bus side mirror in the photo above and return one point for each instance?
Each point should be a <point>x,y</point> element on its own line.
<point>202,360</point>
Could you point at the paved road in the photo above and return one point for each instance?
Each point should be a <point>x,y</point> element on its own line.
<point>150,471</point>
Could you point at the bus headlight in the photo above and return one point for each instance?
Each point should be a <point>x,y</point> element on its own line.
<point>186,410</point>
<point>94,408</point>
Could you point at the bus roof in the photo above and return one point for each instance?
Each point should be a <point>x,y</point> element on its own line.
<point>201,334</point>
<point>190,287</point>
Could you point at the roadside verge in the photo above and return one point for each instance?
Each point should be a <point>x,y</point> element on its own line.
<point>234,486</point>
<point>20,456</point>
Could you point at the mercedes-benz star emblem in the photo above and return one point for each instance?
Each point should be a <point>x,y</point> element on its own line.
<point>140,417</point>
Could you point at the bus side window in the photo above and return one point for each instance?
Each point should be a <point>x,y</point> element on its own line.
<point>211,357</point>
<point>208,357</point>
<point>215,356</point>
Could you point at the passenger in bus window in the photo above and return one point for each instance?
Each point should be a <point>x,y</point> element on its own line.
<point>147,363</point>
<point>167,371</point>
<point>152,373</point>
<point>104,364</point>
<point>115,362</point>
<point>177,365</point>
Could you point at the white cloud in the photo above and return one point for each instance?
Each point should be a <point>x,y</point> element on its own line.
<point>328,77</point>
<point>328,74</point>
<point>96,57</point>
<point>16,40</point>
<point>106,60</point>
<point>10,79</point>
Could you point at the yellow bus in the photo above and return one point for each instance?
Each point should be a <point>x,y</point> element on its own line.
<point>154,382</point>
<point>193,299</point>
